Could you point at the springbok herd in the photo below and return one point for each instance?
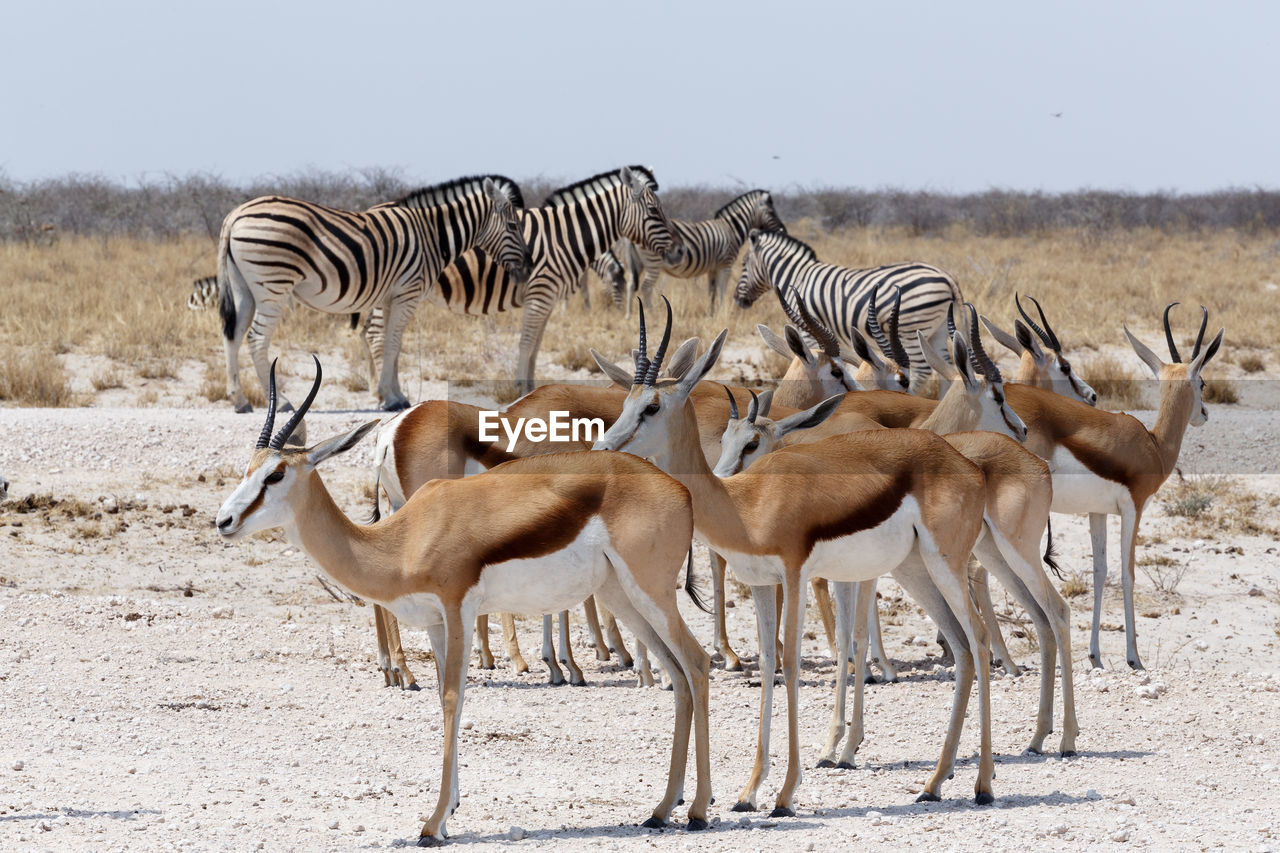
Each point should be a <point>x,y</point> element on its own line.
<point>832,478</point>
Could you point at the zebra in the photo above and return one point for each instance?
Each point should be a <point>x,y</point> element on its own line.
<point>204,295</point>
<point>572,228</point>
<point>710,246</point>
<point>342,261</point>
<point>839,296</point>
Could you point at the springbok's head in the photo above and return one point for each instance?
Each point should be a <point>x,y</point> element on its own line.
<point>1042,362</point>
<point>1183,379</point>
<point>501,230</point>
<point>811,374</point>
<point>657,408</point>
<point>642,220</point>
<point>889,369</point>
<point>969,402</point>
<point>748,438</point>
<point>278,479</point>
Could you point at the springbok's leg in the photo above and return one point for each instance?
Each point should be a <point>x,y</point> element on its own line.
<point>512,643</point>
<point>400,673</point>
<point>1098,535</point>
<point>865,591</point>
<point>793,601</point>
<point>593,625</point>
<point>384,657</point>
<point>822,598</point>
<point>1129,521</point>
<point>549,653</point>
<point>982,595</point>
<point>767,626</point>
<point>643,670</point>
<point>844,603</point>
<point>875,641</point>
<point>731,661</point>
<point>454,685</point>
<point>616,644</point>
<point>576,677</point>
<point>482,642</point>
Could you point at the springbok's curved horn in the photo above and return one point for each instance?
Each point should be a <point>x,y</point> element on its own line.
<point>1051,339</point>
<point>264,437</point>
<point>1168,334</point>
<point>652,376</point>
<point>753,408</point>
<point>287,430</point>
<point>733,404</point>
<point>984,363</point>
<point>899,354</point>
<point>642,358</point>
<point>1040,333</point>
<point>1204,322</point>
<point>826,338</point>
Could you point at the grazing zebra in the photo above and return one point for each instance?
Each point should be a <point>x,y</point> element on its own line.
<point>710,246</point>
<point>839,296</point>
<point>341,261</point>
<point>571,229</point>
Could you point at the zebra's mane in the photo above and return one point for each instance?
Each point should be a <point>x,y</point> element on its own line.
<point>736,203</point>
<point>452,190</point>
<point>595,184</point>
<point>791,243</point>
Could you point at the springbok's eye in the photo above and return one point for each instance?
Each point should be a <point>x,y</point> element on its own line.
<point>837,373</point>
<point>652,408</point>
<point>751,446</point>
<point>904,381</point>
<point>273,478</point>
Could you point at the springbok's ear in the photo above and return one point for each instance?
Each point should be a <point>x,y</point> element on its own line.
<point>617,374</point>
<point>809,418</point>
<point>703,365</point>
<point>1029,342</point>
<point>338,444</point>
<point>1005,339</point>
<point>964,367</point>
<point>1150,359</point>
<point>773,342</point>
<point>864,351</point>
<point>682,358</point>
<point>935,359</point>
<point>766,400</point>
<point>795,343</point>
<point>1206,354</point>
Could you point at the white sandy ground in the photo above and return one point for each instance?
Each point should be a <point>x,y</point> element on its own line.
<point>162,690</point>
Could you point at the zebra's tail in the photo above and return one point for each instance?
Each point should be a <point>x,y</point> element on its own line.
<point>226,296</point>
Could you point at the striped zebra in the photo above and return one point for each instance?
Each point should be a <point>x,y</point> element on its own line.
<point>342,262</point>
<point>839,296</point>
<point>710,246</point>
<point>572,228</point>
<point>204,295</point>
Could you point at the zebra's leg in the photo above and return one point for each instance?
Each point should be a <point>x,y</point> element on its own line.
<point>585,290</point>
<point>538,305</point>
<point>265,320</point>
<point>372,333</point>
<point>397,316</point>
<point>647,285</point>
<point>717,283</point>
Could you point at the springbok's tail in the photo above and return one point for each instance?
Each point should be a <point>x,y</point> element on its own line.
<point>691,586</point>
<point>1050,553</point>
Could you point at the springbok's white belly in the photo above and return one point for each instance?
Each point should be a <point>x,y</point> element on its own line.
<point>1076,489</point>
<point>538,585</point>
<point>859,556</point>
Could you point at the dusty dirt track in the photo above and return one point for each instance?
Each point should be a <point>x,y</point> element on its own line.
<point>163,690</point>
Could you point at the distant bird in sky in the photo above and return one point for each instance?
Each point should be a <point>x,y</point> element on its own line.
<point>1056,115</point>
<point>777,157</point>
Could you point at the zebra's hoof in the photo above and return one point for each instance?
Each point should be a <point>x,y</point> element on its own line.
<point>244,409</point>
<point>395,405</point>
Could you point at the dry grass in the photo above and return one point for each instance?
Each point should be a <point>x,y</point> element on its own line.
<point>1165,573</point>
<point>1220,391</point>
<point>1117,387</point>
<point>1252,363</point>
<point>34,377</point>
<point>1213,505</point>
<point>107,378</point>
<point>1075,585</point>
<point>126,297</point>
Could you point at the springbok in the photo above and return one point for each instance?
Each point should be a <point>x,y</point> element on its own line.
<point>538,534</point>
<point>1109,463</point>
<point>880,495</point>
<point>1019,493</point>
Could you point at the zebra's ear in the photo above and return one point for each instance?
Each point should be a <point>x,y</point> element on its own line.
<point>496,195</point>
<point>634,181</point>
<point>619,376</point>
<point>682,358</point>
<point>796,344</point>
<point>774,342</point>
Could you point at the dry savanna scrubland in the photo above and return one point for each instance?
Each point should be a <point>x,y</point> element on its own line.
<point>165,690</point>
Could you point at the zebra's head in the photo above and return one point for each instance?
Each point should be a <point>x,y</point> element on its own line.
<point>501,231</point>
<point>764,217</point>
<point>755,274</point>
<point>642,220</point>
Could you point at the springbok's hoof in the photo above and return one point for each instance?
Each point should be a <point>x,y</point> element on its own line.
<point>696,824</point>
<point>654,823</point>
<point>926,797</point>
<point>782,811</point>
<point>743,806</point>
<point>985,798</point>
<point>430,841</point>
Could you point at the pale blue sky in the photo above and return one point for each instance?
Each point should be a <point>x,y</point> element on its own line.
<point>954,96</point>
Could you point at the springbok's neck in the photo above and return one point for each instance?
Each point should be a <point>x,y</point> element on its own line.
<point>955,412</point>
<point>797,389</point>
<point>1172,419</point>
<point>353,555</point>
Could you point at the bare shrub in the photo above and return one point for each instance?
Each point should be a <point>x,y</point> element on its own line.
<point>1165,573</point>
<point>1220,391</point>
<point>1214,504</point>
<point>1074,585</point>
<point>1116,385</point>
<point>35,378</point>
<point>107,378</point>
<point>1252,363</point>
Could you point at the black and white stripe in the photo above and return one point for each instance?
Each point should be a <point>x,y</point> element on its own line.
<point>839,296</point>
<point>572,229</point>
<point>343,262</point>
<point>711,245</point>
<point>204,293</point>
